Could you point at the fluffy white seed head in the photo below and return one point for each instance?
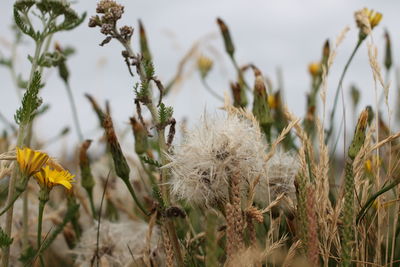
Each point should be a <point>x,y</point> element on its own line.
<point>281,172</point>
<point>217,147</point>
<point>115,238</point>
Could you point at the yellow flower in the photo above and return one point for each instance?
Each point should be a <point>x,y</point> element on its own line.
<point>372,164</point>
<point>373,17</point>
<point>204,64</point>
<point>48,178</point>
<point>368,165</point>
<point>314,69</point>
<point>30,161</point>
<point>272,102</point>
<point>366,20</point>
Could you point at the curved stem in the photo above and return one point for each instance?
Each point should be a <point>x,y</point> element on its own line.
<point>335,101</point>
<point>9,205</point>
<point>210,90</point>
<point>132,192</point>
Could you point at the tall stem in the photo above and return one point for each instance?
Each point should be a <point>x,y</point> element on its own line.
<point>13,179</point>
<point>332,116</point>
<point>163,148</point>
<point>39,230</point>
<point>74,111</point>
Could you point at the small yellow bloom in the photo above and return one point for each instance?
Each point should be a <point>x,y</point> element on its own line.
<point>368,165</point>
<point>372,164</point>
<point>314,69</point>
<point>366,20</point>
<point>204,64</point>
<point>373,17</point>
<point>272,102</point>
<point>48,178</point>
<point>30,161</point>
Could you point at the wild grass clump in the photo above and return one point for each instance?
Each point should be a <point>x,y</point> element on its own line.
<point>251,185</point>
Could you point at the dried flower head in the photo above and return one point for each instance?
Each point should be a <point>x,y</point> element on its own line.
<point>281,171</point>
<point>366,20</point>
<point>111,10</point>
<point>30,161</point>
<point>217,148</point>
<point>118,243</point>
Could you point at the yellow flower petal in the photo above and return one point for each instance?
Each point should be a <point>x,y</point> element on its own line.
<point>30,161</point>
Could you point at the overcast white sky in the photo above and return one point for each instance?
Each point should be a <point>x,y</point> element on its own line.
<point>270,34</point>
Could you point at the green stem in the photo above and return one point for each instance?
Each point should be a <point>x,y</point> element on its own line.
<point>42,203</point>
<point>90,195</point>
<point>74,112</point>
<point>335,101</point>
<point>132,192</point>
<point>9,205</point>
<point>13,179</point>
<point>210,90</point>
<point>25,216</point>
<point>10,200</point>
<point>239,72</point>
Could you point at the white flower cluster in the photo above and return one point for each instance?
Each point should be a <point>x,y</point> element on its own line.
<point>220,146</point>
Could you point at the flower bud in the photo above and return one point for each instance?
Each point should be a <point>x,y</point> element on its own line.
<point>87,180</point>
<point>140,133</point>
<point>204,65</point>
<point>229,47</point>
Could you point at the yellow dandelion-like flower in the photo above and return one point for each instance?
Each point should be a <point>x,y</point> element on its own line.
<point>204,64</point>
<point>48,178</point>
<point>366,20</point>
<point>314,69</point>
<point>30,161</point>
<point>373,17</point>
<point>272,101</point>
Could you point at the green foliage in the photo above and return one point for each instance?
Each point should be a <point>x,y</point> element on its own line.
<point>6,62</point>
<point>148,68</point>
<point>164,113</point>
<point>21,83</point>
<point>30,102</point>
<point>71,212</point>
<point>27,256</point>
<point>23,24</point>
<point>5,240</point>
<point>143,92</point>
<point>50,10</point>
<point>50,59</point>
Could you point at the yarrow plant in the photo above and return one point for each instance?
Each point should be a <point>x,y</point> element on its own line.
<point>218,147</point>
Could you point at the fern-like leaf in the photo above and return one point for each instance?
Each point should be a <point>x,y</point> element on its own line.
<point>30,102</point>
<point>164,113</point>
<point>5,240</point>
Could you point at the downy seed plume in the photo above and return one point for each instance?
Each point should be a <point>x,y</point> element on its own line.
<point>120,244</point>
<point>217,147</point>
<point>281,172</point>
